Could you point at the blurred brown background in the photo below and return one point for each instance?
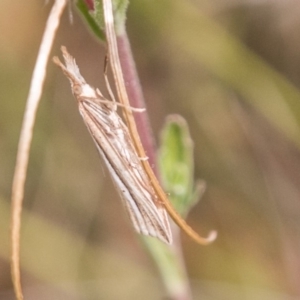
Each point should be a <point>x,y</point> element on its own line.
<point>232,69</point>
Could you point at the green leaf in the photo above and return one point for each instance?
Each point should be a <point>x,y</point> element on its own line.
<point>95,19</point>
<point>119,8</point>
<point>90,19</point>
<point>176,164</point>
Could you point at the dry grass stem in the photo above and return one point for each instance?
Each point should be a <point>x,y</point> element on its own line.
<point>123,98</point>
<point>19,179</point>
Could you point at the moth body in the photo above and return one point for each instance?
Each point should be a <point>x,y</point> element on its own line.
<point>114,144</point>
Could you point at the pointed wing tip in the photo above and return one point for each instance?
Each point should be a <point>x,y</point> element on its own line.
<point>166,239</point>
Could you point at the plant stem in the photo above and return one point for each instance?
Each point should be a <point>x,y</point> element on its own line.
<point>168,258</point>
<point>136,97</point>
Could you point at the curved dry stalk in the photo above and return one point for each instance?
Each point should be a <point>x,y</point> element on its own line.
<point>19,179</point>
<point>135,94</point>
<point>123,97</point>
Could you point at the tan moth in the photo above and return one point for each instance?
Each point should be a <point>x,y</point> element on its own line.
<point>114,144</point>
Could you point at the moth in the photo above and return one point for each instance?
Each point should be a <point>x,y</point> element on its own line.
<point>115,146</point>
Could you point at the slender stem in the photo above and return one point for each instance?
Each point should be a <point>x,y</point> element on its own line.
<point>33,99</point>
<point>136,97</point>
<point>123,98</point>
<point>169,259</point>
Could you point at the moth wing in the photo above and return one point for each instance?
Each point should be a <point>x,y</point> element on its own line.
<point>147,218</point>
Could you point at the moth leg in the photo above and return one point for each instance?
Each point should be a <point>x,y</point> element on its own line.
<point>109,102</point>
<point>136,165</point>
<point>111,95</point>
<point>145,158</point>
<point>99,93</point>
<point>131,163</point>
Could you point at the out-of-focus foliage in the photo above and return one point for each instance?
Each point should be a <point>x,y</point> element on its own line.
<point>175,162</point>
<point>176,165</point>
<point>231,68</point>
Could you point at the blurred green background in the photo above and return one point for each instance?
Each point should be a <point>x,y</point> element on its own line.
<point>232,70</point>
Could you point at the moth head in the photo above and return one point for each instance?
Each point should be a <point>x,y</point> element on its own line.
<point>79,86</point>
<point>83,91</point>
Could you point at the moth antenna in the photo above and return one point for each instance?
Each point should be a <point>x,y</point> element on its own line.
<point>111,95</point>
<point>99,93</point>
